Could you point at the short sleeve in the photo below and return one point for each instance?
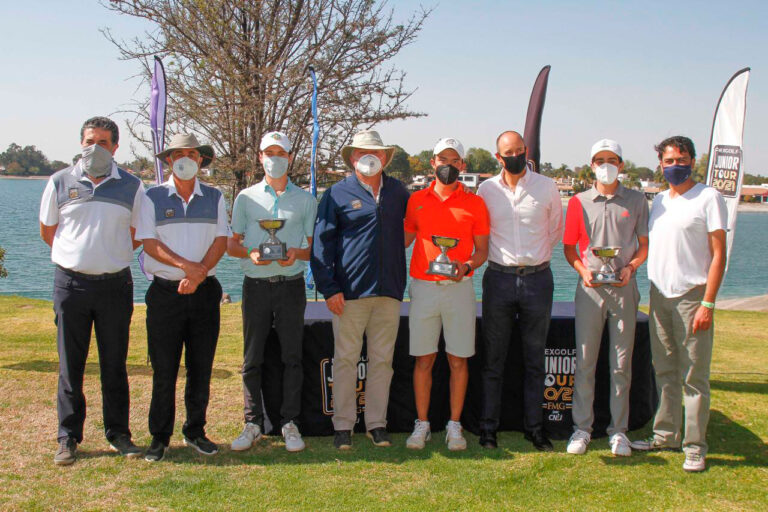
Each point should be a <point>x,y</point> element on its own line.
<point>716,213</point>
<point>146,227</point>
<point>138,206</point>
<point>310,213</point>
<point>574,222</point>
<point>410,224</point>
<point>49,207</point>
<point>222,227</point>
<point>641,228</point>
<point>239,218</point>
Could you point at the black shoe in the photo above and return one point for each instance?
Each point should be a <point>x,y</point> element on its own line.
<point>66,453</point>
<point>539,440</point>
<point>379,436</point>
<point>156,451</point>
<point>488,439</point>
<point>202,444</point>
<point>123,445</point>
<point>342,439</point>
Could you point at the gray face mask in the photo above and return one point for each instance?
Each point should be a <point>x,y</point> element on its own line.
<point>96,161</point>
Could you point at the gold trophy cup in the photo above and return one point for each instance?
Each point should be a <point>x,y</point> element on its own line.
<point>606,274</point>
<point>442,265</point>
<point>273,249</point>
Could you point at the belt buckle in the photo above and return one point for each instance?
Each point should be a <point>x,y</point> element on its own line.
<point>274,279</point>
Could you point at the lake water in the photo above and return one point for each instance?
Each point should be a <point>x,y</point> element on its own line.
<point>30,271</point>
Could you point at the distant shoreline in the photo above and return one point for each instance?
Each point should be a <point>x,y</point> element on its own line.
<point>24,177</point>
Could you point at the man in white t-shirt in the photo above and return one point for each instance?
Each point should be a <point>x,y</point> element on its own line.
<point>686,263</point>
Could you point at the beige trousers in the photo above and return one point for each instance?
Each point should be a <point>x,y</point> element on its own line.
<point>378,318</point>
<point>681,360</point>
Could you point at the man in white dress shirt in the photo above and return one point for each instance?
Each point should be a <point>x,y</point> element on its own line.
<point>526,223</point>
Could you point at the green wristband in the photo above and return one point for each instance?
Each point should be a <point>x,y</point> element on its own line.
<point>708,305</point>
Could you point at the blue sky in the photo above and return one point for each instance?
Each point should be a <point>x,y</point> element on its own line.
<point>633,71</point>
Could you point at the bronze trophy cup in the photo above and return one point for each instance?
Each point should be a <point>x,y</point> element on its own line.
<point>442,265</point>
<point>606,274</point>
<point>273,249</point>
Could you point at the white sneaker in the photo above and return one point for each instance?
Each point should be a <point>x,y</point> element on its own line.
<point>421,434</point>
<point>293,440</point>
<point>577,445</point>
<point>620,445</point>
<point>694,462</point>
<point>454,437</point>
<point>251,434</point>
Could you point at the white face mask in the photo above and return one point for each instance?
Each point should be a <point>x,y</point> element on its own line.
<point>275,166</point>
<point>96,161</point>
<point>185,168</point>
<point>368,165</point>
<point>606,173</point>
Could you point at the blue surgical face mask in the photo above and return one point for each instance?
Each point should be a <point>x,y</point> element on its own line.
<point>677,174</point>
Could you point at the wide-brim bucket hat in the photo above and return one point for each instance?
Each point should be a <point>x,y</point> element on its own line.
<point>367,139</point>
<point>187,141</point>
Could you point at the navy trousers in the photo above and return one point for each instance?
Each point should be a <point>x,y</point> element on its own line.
<point>82,303</point>
<point>510,299</point>
<point>174,322</point>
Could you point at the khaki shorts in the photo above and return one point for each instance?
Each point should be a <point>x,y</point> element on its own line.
<point>452,307</point>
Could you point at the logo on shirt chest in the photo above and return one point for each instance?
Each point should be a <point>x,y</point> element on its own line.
<point>356,204</point>
<point>170,213</point>
<point>74,193</point>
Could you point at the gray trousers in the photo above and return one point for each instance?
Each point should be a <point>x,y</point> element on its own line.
<point>379,319</point>
<point>681,360</point>
<point>617,305</point>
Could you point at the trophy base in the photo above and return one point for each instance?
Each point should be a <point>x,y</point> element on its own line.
<point>604,278</point>
<point>273,252</point>
<point>443,269</point>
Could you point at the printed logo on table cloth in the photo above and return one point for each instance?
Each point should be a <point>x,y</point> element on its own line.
<point>326,374</point>
<point>559,366</point>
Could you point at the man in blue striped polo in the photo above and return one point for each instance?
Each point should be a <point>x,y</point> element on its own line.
<point>273,289</point>
<point>184,229</point>
<point>88,215</point>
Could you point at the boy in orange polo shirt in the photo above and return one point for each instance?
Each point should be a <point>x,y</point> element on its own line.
<point>444,209</point>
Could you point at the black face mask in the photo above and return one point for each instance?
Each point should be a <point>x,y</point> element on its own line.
<point>447,174</point>
<point>515,164</point>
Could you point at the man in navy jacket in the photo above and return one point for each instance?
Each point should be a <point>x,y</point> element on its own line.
<point>358,263</point>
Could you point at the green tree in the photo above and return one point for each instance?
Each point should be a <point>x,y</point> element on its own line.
<point>400,166</point>
<point>29,160</point>
<point>481,160</point>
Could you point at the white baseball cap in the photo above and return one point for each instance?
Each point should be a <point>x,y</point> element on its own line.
<point>275,139</point>
<point>605,145</point>
<point>449,143</point>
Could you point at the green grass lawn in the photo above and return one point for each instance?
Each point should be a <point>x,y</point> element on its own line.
<point>366,478</point>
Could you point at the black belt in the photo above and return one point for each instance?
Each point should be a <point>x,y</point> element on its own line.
<point>520,271</point>
<point>276,279</point>
<point>174,285</point>
<point>96,277</point>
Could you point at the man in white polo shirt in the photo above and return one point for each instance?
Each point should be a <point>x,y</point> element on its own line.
<point>686,262</point>
<point>88,215</point>
<point>526,224</point>
<point>605,215</point>
<point>184,230</point>
<point>273,290</point>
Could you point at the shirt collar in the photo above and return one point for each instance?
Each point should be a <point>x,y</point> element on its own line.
<point>523,181</point>
<point>456,193</point>
<point>593,193</point>
<point>171,184</point>
<point>289,187</point>
<point>79,173</point>
<point>368,187</point>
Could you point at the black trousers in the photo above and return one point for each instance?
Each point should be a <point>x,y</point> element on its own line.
<point>175,321</point>
<point>80,305</point>
<point>280,304</point>
<point>527,301</point>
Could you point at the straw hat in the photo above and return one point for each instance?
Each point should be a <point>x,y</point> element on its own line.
<point>187,141</point>
<point>367,139</point>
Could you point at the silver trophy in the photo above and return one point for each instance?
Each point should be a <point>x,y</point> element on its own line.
<point>442,265</point>
<point>272,249</point>
<point>606,274</point>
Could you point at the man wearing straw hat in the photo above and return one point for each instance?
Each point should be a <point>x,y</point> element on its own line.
<point>184,230</point>
<point>358,262</point>
<point>273,290</point>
